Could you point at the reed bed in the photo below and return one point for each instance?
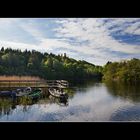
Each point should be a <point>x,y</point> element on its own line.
<point>18,78</point>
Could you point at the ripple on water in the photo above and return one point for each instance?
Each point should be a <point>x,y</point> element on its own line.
<point>61,115</point>
<point>127,114</point>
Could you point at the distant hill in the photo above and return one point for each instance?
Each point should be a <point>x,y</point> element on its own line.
<point>44,65</point>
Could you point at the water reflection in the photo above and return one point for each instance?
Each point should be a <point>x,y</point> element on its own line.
<point>126,114</point>
<point>88,101</point>
<point>124,91</point>
<point>59,101</point>
<point>7,105</point>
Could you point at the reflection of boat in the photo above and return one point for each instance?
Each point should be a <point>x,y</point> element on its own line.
<point>58,94</point>
<point>59,101</point>
<point>35,93</point>
<point>63,102</point>
<point>23,91</point>
<point>8,93</point>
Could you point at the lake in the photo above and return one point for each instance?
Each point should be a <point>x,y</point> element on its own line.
<point>89,101</point>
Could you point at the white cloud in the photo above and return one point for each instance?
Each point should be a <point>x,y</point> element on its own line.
<point>81,38</point>
<point>31,28</point>
<point>97,34</point>
<point>133,29</point>
<point>21,46</point>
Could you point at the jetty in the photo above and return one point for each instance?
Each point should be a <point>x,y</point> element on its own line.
<point>35,83</point>
<point>16,84</point>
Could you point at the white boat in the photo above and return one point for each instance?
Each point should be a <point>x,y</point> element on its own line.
<point>57,93</point>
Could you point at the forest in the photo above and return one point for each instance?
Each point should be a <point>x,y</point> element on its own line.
<point>44,65</point>
<point>50,66</point>
<point>127,71</point>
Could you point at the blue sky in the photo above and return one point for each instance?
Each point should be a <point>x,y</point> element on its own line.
<point>96,40</point>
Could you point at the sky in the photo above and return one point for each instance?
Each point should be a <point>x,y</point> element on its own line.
<point>95,40</point>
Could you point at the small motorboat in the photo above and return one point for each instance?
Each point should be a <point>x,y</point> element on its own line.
<point>35,93</point>
<point>23,91</point>
<point>58,94</point>
<point>7,93</point>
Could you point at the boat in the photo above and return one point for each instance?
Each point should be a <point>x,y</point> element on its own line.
<point>57,93</point>
<point>63,101</point>
<point>7,93</point>
<point>35,94</point>
<point>23,91</point>
<point>59,101</point>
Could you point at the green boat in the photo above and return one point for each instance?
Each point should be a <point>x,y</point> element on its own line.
<point>35,94</point>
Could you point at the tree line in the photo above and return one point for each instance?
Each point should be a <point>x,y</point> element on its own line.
<point>51,66</point>
<point>45,65</point>
<point>125,71</point>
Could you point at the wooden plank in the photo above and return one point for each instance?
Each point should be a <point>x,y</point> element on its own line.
<point>34,83</point>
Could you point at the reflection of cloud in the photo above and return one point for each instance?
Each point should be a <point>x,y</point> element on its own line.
<point>94,104</point>
<point>99,105</point>
<point>128,114</point>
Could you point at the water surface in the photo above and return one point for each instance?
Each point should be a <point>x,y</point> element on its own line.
<point>88,101</point>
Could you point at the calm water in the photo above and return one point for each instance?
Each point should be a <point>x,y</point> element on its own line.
<point>89,101</point>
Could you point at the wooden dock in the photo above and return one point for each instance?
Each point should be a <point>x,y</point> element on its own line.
<point>35,83</point>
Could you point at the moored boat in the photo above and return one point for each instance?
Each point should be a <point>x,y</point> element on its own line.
<point>7,93</point>
<point>23,91</point>
<point>57,93</point>
<point>35,93</point>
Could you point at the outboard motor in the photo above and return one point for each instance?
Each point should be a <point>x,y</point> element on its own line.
<point>28,89</point>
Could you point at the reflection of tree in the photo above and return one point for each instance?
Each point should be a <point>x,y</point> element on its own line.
<point>24,100</point>
<point>70,92</point>
<point>81,86</point>
<point>83,83</point>
<point>5,106</point>
<point>25,108</point>
<point>131,92</point>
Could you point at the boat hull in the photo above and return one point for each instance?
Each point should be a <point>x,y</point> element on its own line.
<point>7,94</point>
<point>57,94</point>
<point>35,94</point>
